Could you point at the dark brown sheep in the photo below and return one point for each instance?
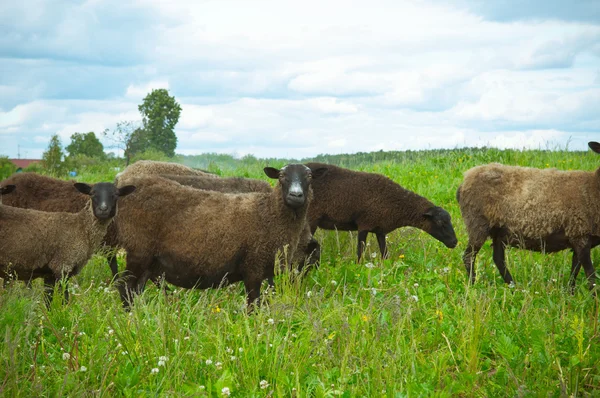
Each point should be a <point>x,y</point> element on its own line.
<point>52,245</point>
<point>349,200</point>
<point>534,209</point>
<point>151,167</point>
<point>203,239</point>
<point>44,193</point>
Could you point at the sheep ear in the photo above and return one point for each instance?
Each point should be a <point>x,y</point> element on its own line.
<point>126,190</point>
<point>594,146</point>
<point>320,172</point>
<point>83,188</point>
<point>271,172</point>
<point>7,189</point>
<point>429,213</point>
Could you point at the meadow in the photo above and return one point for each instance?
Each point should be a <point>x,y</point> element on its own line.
<point>406,326</point>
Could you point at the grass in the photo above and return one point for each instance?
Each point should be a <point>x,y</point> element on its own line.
<point>406,326</point>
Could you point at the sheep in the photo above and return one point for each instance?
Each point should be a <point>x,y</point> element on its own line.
<point>52,245</point>
<point>202,239</point>
<point>150,167</point>
<point>349,200</point>
<point>226,185</point>
<point>545,210</point>
<point>6,190</point>
<point>44,193</point>
<point>309,250</point>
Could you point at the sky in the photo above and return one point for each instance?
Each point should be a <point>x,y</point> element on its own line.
<point>293,79</point>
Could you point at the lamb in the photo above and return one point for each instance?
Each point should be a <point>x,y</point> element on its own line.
<point>349,200</point>
<point>309,250</point>
<point>44,193</point>
<point>52,245</point>
<point>203,239</point>
<point>539,210</point>
<point>150,167</point>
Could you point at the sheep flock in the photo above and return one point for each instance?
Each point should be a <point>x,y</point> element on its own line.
<point>195,229</point>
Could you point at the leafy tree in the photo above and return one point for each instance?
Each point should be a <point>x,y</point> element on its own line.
<point>160,113</point>
<point>86,144</point>
<point>6,167</point>
<point>130,137</point>
<point>52,158</point>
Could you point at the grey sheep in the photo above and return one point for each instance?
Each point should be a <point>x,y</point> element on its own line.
<point>203,239</point>
<point>52,245</point>
<point>535,209</point>
<point>349,200</point>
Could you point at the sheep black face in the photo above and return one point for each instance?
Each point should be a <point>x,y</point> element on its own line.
<point>7,189</point>
<point>104,197</point>
<point>295,181</point>
<point>441,226</point>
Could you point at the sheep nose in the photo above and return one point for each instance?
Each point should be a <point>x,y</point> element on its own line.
<point>103,207</point>
<point>297,194</point>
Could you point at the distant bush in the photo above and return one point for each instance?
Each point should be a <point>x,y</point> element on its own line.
<point>6,167</point>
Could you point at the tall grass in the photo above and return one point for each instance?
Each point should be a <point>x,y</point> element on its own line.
<point>405,326</point>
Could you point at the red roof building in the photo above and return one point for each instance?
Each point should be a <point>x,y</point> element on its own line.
<point>22,163</point>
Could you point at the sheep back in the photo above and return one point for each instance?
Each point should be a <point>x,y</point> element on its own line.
<point>226,185</point>
<point>529,201</point>
<point>150,167</point>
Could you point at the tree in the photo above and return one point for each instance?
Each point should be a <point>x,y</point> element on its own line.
<point>160,113</point>
<point>52,158</point>
<point>86,144</point>
<point>130,137</point>
<point>6,167</point>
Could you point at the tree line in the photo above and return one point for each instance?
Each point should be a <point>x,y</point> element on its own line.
<point>154,136</point>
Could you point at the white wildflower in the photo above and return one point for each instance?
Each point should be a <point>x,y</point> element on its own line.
<point>309,293</point>
<point>66,356</point>
<point>415,298</point>
<point>233,357</point>
<point>154,371</point>
<point>186,338</point>
<point>164,359</point>
<point>218,365</point>
<point>161,363</point>
<point>240,349</point>
<point>225,391</point>
<point>370,265</point>
<point>229,350</point>
<point>208,362</point>
<point>83,369</point>
<point>373,255</point>
<point>271,321</point>
<point>264,384</point>
<point>416,285</point>
<point>334,283</point>
<point>373,291</point>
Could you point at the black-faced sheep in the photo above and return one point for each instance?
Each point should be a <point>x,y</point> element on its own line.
<point>535,209</point>
<point>203,239</point>
<point>45,193</point>
<point>150,167</point>
<point>309,250</point>
<point>52,245</point>
<point>349,200</point>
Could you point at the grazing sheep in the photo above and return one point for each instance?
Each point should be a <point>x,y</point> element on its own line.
<point>309,250</point>
<point>44,193</point>
<point>225,185</point>
<point>52,245</point>
<point>540,210</point>
<point>202,239</point>
<point>150,167</point>
<point>349,200</point>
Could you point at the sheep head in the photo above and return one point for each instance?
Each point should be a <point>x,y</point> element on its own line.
<point>104,197</point>
<point>7,189</point>
<point>440,226</point>
<point>295,182</point>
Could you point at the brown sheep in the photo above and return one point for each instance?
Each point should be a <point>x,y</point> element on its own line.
<point>44,193</point>
<point>349,200</point>
<point>151,167</point>
<point>534,209</point>
<point>225,185</point>
<point>52,245</point>
<point>202,239</point>
<point>309,250</point>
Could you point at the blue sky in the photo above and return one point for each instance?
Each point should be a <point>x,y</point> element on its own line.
<point>295,79</point>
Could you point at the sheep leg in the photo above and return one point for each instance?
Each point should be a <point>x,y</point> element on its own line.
<point>113,264</point>
<point>362,242</point>
<point>49,282</point>
<point>252,286</point>
<point>382,245</point>
<point>584,257</point>
<point>575,268</point>
<point>499,259</point>
<point>469,258</point>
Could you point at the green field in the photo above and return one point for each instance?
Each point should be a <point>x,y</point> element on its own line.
<point>406,326</point>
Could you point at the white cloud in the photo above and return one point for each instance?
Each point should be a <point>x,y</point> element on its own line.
<point>141,90</point>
